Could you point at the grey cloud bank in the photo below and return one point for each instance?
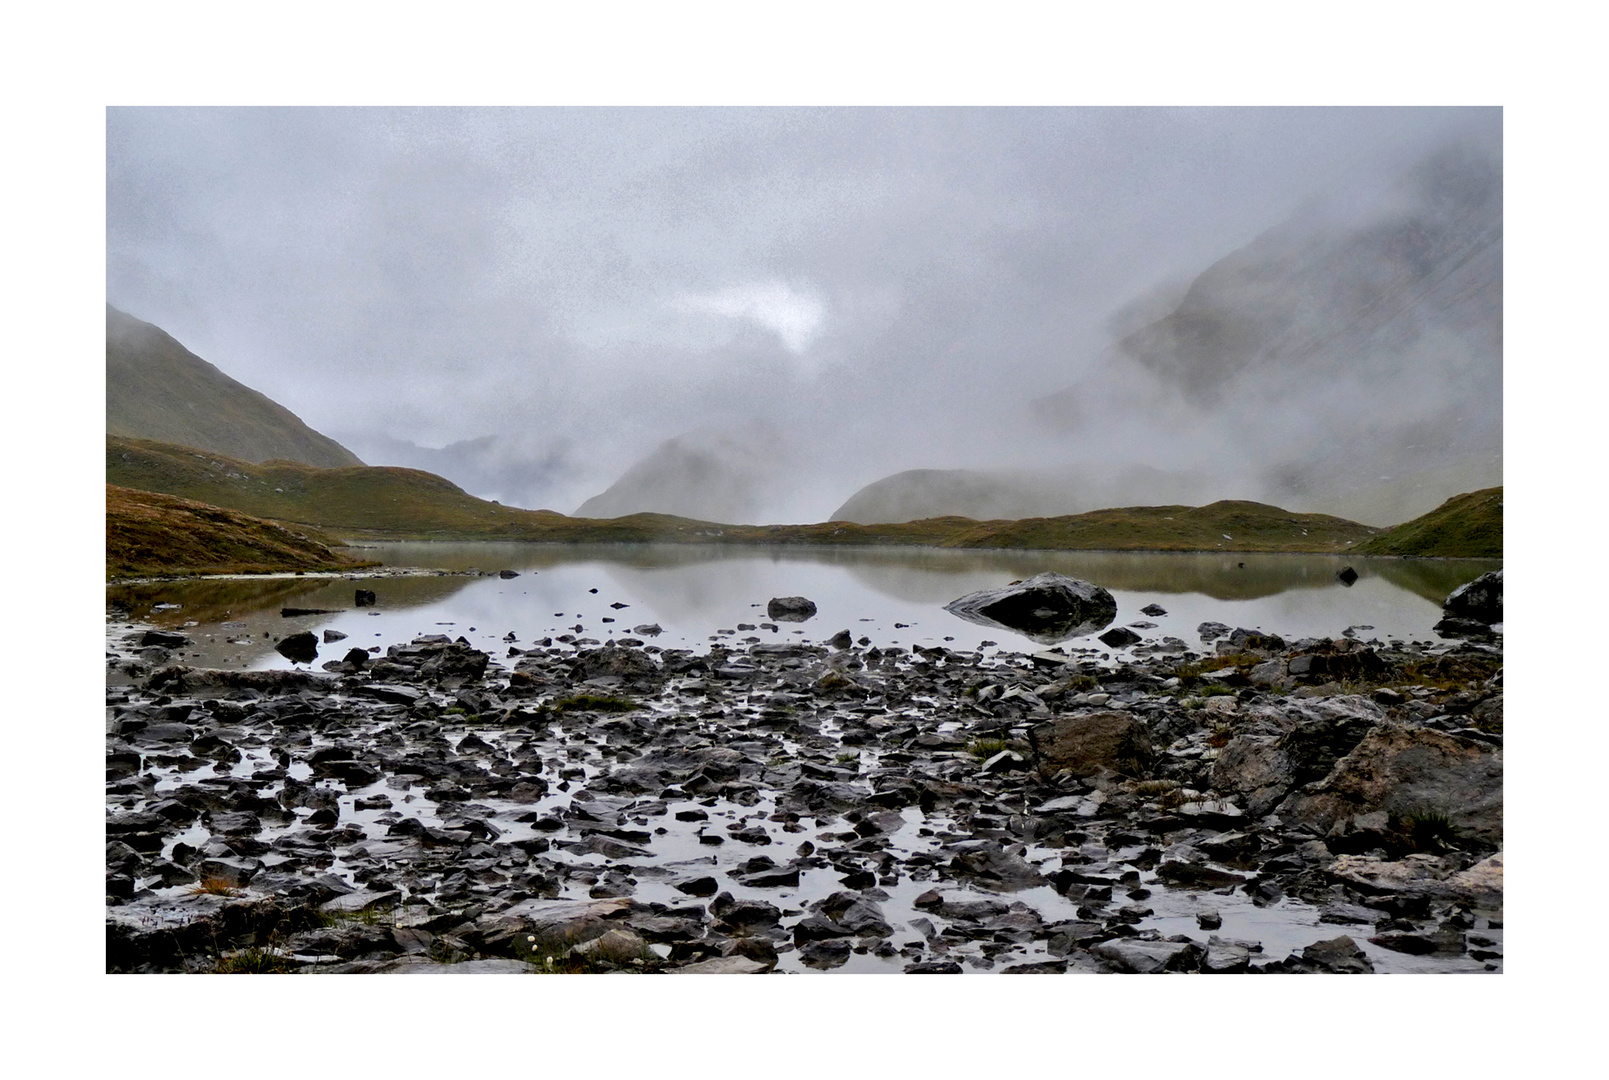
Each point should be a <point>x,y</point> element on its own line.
<point>551,294</point>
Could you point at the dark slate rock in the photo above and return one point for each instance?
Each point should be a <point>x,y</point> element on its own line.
<point>299,648</point>
<point>790,609</point>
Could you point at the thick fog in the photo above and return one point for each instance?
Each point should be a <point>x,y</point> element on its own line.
<point>538,303</point>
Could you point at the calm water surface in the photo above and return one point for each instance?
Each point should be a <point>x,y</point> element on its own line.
<point>696,594</point>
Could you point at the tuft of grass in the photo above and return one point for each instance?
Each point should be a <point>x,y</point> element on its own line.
<point>984,749</point>
<point>1428,830</point>
<point>586,702</point>
<point>212,885</point>
<point>847,757</point>
<point>253,961</point>
<point>367,916</point>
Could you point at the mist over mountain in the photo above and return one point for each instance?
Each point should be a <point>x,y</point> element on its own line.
<point>157,389</point>
<point>708,475</point>
<point>989,495</point>
<point>1283,305</point>
<point>509,469</point>
<point>1348,360</point>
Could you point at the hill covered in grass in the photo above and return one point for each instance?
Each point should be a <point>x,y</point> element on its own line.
<point>376,502</point>
<point>1465,526</point>
<point>149,534</point>
<point>157,389</point>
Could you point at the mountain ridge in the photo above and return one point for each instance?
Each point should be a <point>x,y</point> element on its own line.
<point>159,390</point>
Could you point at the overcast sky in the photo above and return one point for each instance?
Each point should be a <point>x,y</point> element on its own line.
<point>888,285</point>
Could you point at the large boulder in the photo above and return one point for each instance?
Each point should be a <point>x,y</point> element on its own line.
<point>1092,744</point>
<point>1409,773</point>
<point>1480,600</point>
<point>1046,607</point>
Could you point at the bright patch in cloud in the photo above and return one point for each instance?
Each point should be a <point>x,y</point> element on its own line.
<point>790,314</point>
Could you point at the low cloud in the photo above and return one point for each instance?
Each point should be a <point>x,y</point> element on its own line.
<point>792,315</point>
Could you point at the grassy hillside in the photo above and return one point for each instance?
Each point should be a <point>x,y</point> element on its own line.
<point>150,534</point>
<point>1465,526</point>
<point>158,389</point>
<point>405,503</point>
<point>365,500</point>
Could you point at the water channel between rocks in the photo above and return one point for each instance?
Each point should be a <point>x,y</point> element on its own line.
<point>698,596</point>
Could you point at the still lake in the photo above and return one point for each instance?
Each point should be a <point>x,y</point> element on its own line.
<point>696,594</point>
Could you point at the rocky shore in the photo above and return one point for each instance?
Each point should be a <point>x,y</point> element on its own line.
<point>1237,804</point>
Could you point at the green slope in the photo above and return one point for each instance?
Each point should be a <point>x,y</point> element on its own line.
<point>157,389</point>
<point>405,503</point>
<point>1465,526</point>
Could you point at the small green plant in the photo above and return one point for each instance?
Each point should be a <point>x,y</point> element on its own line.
<point>1215,690</point>
<point>847,757</point>
<point>984,749</point>
<point>457,710</point>
<point>1218,737</point>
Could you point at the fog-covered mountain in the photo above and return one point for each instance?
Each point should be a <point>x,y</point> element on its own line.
<point>1350,356</point>
<point>989,494</point>
<point>712,475</point>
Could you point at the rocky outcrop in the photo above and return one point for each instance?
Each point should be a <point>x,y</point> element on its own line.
<point>1398,777</point>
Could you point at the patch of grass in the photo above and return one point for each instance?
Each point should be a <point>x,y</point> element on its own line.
<point>1190,672</point>
<point>1219,736</point>
<point>367,916</point>
<point>1427,830</point>
<point>253,961</point>
<point>586,702</point>
<point>984,749</point>
<point>1217,690</point>
<point>847,757</point>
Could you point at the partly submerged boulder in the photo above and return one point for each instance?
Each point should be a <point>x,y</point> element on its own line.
<point>790,608</point>
<point>1480,600</point>
<point>1046,607</point>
